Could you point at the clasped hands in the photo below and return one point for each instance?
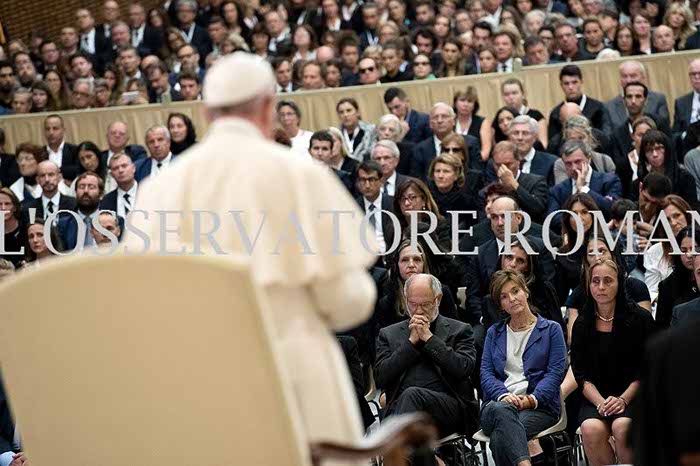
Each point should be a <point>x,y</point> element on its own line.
<point>610,406</point>
<point>419,328</point>
<point>521,402</point>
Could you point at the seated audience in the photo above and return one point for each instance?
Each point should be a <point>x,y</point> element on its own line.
<point>608,338</point>
<point>522,367</point>
<point>386,153</point>
<point>158,144</point>
<point>679,287</point>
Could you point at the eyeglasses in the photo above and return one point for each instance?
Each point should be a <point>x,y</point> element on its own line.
<point>410,198</point>
<point>366,70</point>
<point>371,179</point>
<point>426,306</point>
<point>452,150</point>
<point>694,74</point>
<point>659,148</point>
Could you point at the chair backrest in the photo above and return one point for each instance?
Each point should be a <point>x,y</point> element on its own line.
<point>150,360</point>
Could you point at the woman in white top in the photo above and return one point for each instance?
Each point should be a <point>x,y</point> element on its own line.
<point>522,368</point>
<point>28,158</point>
<point>657,259</point>
<point>304,42</point>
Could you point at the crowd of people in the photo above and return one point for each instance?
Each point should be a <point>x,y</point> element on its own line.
<point>499,322</point>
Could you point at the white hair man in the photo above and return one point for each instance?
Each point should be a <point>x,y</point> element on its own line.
<point>238,169</point>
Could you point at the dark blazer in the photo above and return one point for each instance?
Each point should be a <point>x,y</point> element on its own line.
<point>543,165</point>
<point>424,153</point>
<point>9,171</point>
<point>135,151</point>
<point>202,42</point>
<point>544,364</point>
<point>663,430</point>
<point>143,168</point>
<point>656,106</point>
<point>419,127</point>
<point>154,98</point>
<point>387,224</point>
<point>482,266</point>
<point>682,110</point>
<point>109,201</point>
<point>451,350</point>
<point>532,192</point>
<point>684,314</point>
<point>406,151</point>
<point>68,231</point>
<point>605,188</point>
<point>70,162</point>
<point>594,110</point>
<point>482,233</point>
<point>151,42</point>
<point>352,356</point>
<point>64,203</point>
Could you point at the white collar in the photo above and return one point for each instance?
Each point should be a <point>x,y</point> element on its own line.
<point>392,179</point>
<point>58,151</point>
<point>377,202</point>
<point>530,155</point>
<point>56,199</point>
<point>131,192</point>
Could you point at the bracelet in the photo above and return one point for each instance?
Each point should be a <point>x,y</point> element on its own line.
<point>624,401</point>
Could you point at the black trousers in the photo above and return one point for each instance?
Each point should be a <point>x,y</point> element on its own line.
<point>446,411</point>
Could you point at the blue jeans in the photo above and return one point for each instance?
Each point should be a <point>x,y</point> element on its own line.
<point>509,430</point>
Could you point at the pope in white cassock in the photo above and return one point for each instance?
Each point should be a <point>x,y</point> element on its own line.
<point>300,226</point>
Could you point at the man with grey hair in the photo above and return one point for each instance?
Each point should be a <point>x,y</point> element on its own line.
<point>424,363</point>
<point>632,71</point>
<point>237,176</point>
<point>579,127</point>
<point>83,94</point>
<point>522,132</point>
<point>386,153</point>
<point>160,157</point>
<point>604,188</point>
<point>442,123</point>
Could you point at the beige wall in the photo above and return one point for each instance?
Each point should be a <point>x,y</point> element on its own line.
<point>667,74</point>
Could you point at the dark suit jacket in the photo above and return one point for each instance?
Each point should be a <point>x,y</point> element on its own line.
<point>151,42</point>
<point>419,127</point>
<point>451,351</point>
<point>664,429</point>
<point>68,231</point>
<point>602,187</point>
<point>9,171</point>
<point>135,151</point>
<point>682,110</point>
<point>64,203</point>
<point>684,314</point>
<point>202,42</point>
<point>656,106</point>
<point>352,356</point>
<point>482,233</point>
<point>143,168</point>
<point>70,162</point>
<point>532,193</point>
<point>543,165</point>
<point>153,98</point>
<point>594,110</point>
<point>406,151</point>
<point>109,201</point>
<point>424,153</point>
<point>387,224</point>
<point>481,267</point>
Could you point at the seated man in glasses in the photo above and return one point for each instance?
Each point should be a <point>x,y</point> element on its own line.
<point>424,362</point>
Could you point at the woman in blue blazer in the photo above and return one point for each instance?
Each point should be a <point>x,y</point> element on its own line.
<point>522,369</point>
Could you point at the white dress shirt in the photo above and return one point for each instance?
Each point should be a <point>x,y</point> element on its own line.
<point>122,203</point>
<point>164,164</point>
<point>390,184</point>
<point>378,230</point>
<point>506,66</point>
<point>87,42</point>
<point>56,157</point>
<point>527,161</point>
<point>438,145</point>
<point>695,112</point>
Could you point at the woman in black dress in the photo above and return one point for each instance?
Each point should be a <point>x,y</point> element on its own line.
<point>608,341</point>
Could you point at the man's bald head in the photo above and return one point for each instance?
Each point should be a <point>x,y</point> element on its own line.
<point>568,110</point>
<point>632,71</point>
<point>423,294</point>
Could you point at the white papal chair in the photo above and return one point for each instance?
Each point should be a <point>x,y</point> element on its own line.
<point>156,361</point>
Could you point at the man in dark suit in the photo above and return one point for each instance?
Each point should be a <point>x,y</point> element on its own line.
<point>571,81</point>
<point>146,39</point>
<point>88,190</point>
<point>531,190</point>
<point>118,141</point>
<point>687,109</point>
<point>158,144</point>
<point>372,200</point>
<point>321,149</point>
<point>386,153</point>
<point>122,199</point>
<point>194,34</point>
<point>63,154</point>
<point>370,23</point>
<point>522,132</point>
<point>604,188</point>
<point>442,122</point>
<point>424,362</point>
<point>51,200</point>
<point>160,90</point>
<point>92,41</point>
<point>399,104</point>
<point>632,71</point>
<point>482,266</point>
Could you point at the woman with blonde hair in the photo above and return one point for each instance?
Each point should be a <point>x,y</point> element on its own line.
<point>454,189</point>
<point>679,18</point>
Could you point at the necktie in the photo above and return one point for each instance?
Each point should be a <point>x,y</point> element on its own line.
<point>385,191</point>
<point>49,207</point>
<point>372,220</point>
<point>127,203</point>
<point>89,240</point>
<point>159,165</point>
